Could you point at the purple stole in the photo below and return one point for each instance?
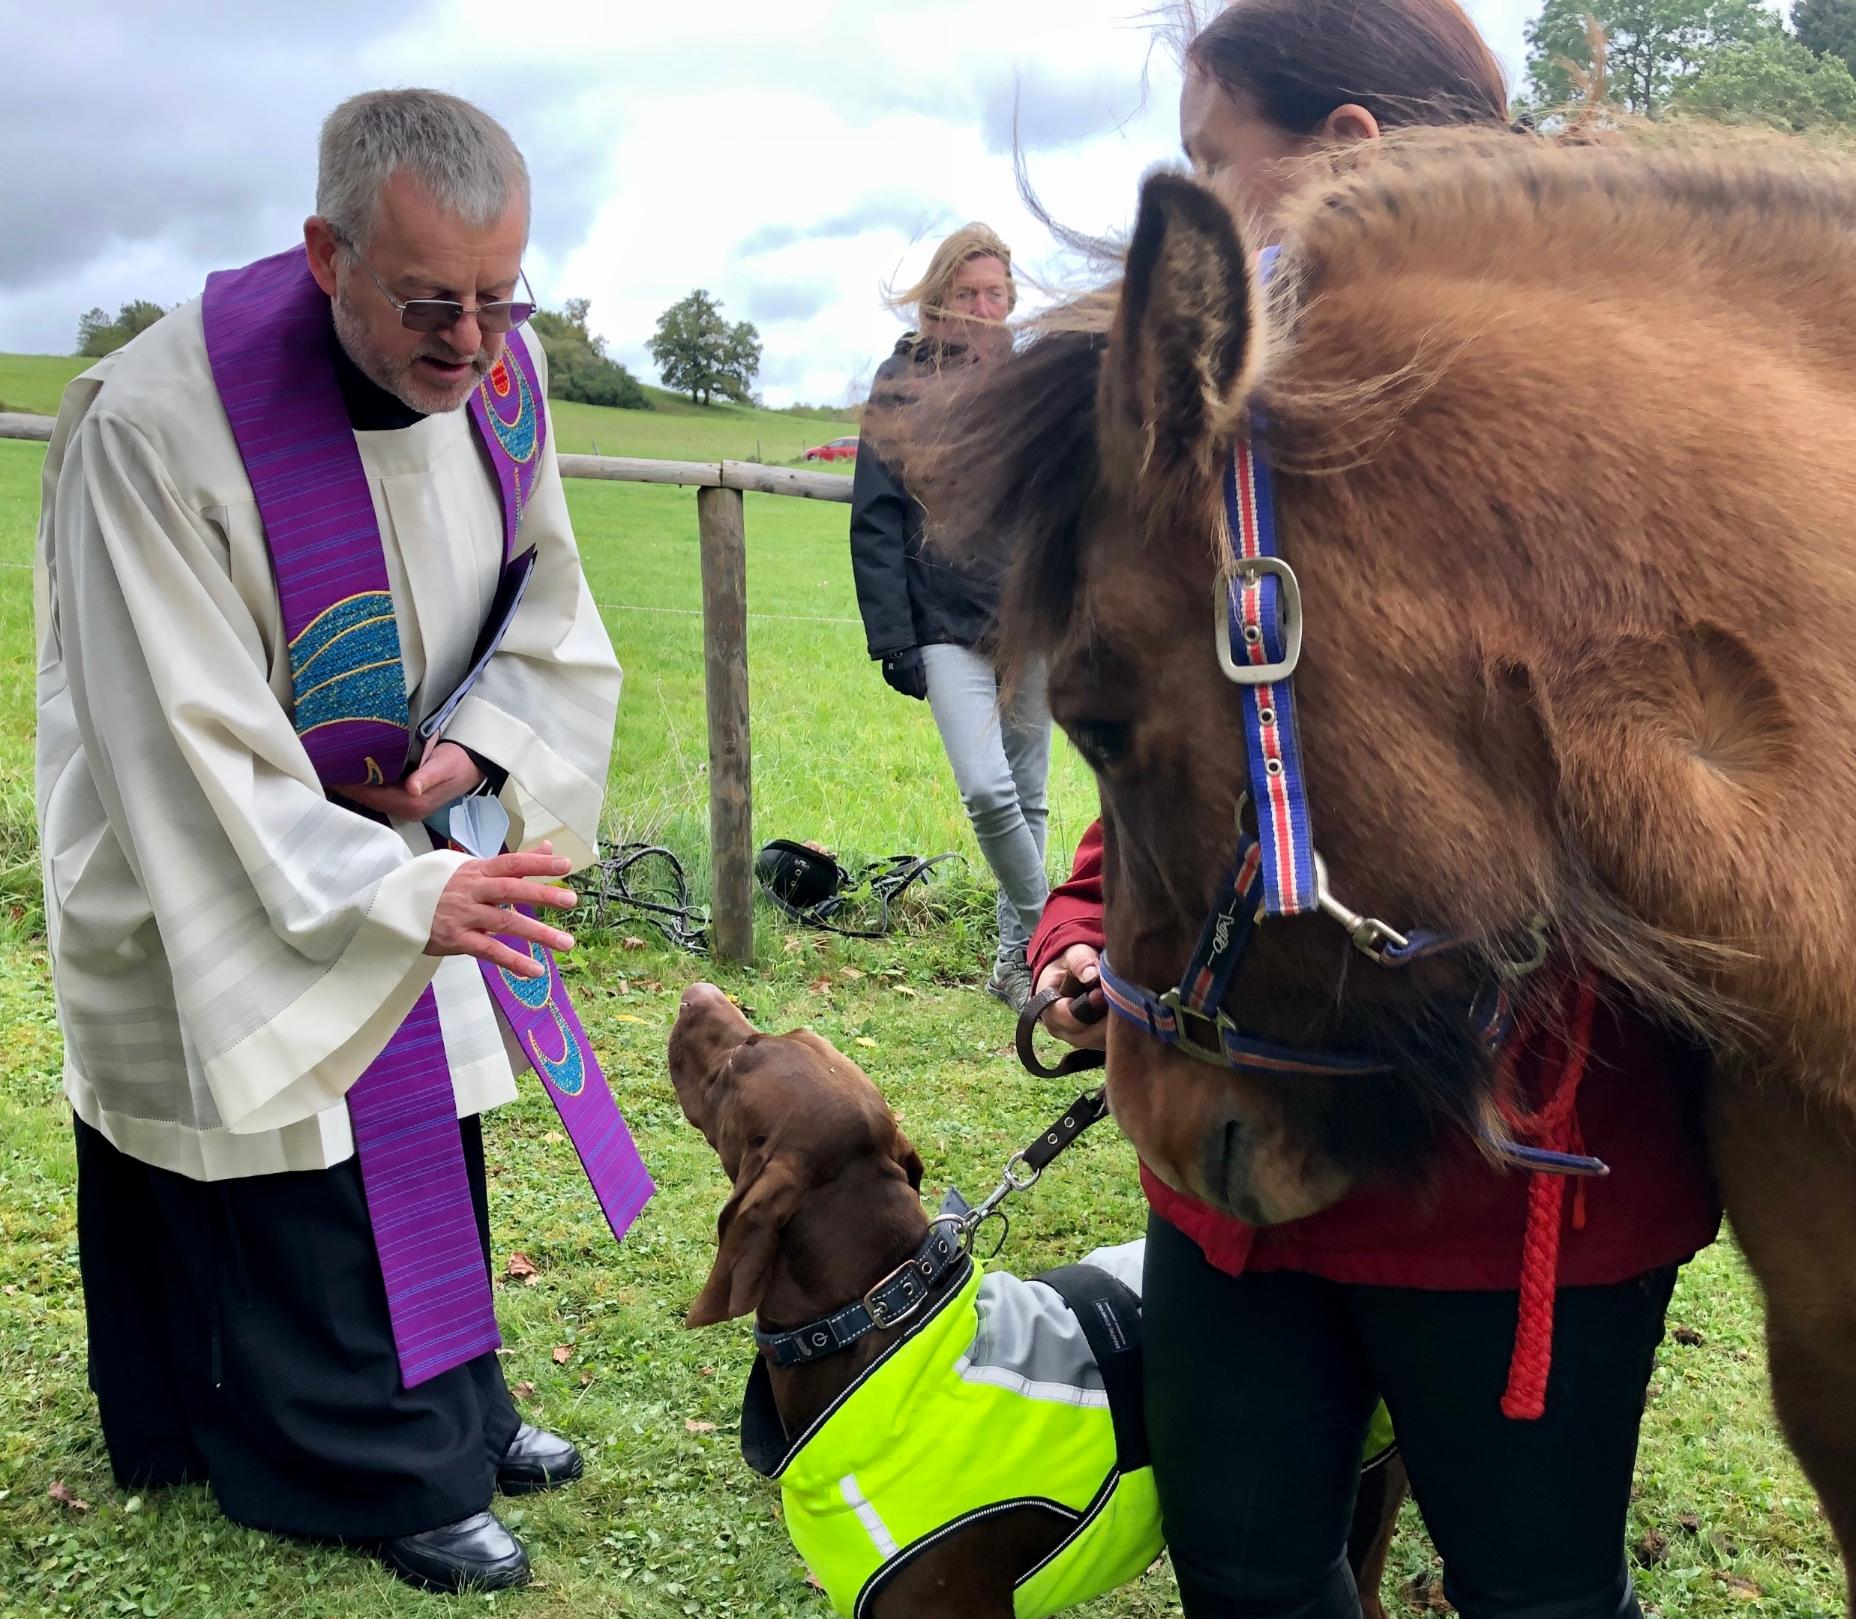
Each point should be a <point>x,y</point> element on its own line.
<point>268,337</point>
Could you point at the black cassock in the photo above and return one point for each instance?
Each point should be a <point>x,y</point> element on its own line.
<point>239,1333</point>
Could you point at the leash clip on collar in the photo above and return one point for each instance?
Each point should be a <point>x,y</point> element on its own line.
<point>1025,1166</point>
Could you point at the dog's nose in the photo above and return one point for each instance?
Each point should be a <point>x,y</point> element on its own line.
<point>701,997</point>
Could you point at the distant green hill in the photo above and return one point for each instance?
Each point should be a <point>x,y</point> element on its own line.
<point>675,430</point>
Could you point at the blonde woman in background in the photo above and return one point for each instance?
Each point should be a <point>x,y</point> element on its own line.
<point>928,621</point>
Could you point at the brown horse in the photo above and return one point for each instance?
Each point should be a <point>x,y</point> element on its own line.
<point>1565,451</point>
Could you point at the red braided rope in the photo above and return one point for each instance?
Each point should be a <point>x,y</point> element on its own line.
<point>1552,1125</point>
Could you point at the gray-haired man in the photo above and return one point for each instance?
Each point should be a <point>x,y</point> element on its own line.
<point>273,542</point>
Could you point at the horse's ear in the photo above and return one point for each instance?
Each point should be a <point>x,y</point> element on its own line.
<point>1184,350</point>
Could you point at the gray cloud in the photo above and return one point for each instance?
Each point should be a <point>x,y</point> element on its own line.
<point>908,214</point>
<point>1051,112</point>
<point>771,303</point>
<point>201,150</point>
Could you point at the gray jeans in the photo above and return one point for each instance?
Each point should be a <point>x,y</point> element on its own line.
<point>1001,764</point>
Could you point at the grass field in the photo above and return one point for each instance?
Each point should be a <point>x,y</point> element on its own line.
<point>668,1521</point>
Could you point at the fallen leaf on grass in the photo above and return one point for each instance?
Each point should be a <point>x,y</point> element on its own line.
<point>913,994</point>
<point>519,1265</point>
<point>865,1040</point>
<point>692,1425</point>
<point>61,1493</point>
<point>563,1353</point>
<point>849,974</point>
<point>586,1378</point>
<point>524,1390</point>
<point>705,1371</point>
<point>1689,1336</point>
<point>554,1138</point>
<point>631,942</point>
<point>626,1017</point>
<point>814,1581</point>
<point>9,1290</point>
<point>1689,1524</point>
<point>821,986</point>
<point>1740,1588</point>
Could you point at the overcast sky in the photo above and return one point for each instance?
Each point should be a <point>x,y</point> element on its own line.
<point>790,158</point>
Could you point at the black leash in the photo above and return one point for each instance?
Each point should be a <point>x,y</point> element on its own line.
<point>1090,1008</point>
<point>648,880</point>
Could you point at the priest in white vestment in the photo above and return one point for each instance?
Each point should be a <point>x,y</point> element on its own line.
<point>231,945</point>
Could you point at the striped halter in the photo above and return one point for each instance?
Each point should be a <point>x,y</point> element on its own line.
<point>1257,608</point>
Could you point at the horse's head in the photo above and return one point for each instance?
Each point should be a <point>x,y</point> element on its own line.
<point>1442,528</point>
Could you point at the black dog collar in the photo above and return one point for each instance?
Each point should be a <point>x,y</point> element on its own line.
<point>894,1299</point>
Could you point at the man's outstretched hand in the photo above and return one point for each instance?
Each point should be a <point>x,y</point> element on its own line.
<point>474,908</point>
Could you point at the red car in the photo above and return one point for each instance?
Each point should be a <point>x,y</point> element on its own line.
<point>839,449</point>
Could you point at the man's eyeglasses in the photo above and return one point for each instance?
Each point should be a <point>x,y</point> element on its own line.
<point>432,315</point>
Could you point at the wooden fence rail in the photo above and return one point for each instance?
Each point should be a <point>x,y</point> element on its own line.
<point>721,525</point>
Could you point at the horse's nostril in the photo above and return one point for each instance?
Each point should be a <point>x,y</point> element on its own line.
<point>1228,1162</point>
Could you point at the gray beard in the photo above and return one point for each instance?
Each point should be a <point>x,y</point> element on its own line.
<point>397,376</point>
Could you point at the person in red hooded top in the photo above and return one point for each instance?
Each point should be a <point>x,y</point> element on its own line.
<point>1267,1348</point>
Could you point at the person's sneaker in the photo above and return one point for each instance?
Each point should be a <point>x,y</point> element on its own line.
<point>1011,980</point>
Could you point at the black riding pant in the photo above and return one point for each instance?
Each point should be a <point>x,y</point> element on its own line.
<point>1259,1389</point>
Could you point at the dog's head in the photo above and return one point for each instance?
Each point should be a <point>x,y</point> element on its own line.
<point>809,1144</point>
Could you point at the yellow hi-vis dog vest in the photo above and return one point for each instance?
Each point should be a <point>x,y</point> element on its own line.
<point>991,1402</point>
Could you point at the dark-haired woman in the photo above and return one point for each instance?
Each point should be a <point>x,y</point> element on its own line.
<point>1266,1348</point>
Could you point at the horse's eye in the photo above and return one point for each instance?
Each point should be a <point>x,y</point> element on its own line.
<point>1104,743</point>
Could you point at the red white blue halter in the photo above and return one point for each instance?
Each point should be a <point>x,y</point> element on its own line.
<point>1258,615</point>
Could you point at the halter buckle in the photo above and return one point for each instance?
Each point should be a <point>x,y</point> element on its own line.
<point>1248,570</point>
<point>1198,1034</point>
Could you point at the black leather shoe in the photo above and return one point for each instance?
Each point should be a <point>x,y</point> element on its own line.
<point>536,1461</point>
<point>474,1554</point>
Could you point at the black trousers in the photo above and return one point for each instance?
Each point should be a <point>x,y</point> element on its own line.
<point>1259,1389</point>
<point>239,1333</point>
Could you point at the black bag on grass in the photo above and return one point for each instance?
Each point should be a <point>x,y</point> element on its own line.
<point>809,885</point>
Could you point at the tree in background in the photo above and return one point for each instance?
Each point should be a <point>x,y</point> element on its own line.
<point>98,335</point>
<point>741,361</point>
<point>1776,82</point>
<point>700,354</point>
<point>1651,46</point>
<point>1827,28</point>
<point>578,366</point>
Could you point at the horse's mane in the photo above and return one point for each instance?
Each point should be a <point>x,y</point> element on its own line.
<point>1004,456</point>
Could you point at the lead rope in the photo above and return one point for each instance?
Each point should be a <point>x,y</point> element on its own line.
<point>1555,1126</point>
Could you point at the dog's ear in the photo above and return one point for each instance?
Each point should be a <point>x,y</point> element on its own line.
<point>767,1193</point>
<point>903,1151</point>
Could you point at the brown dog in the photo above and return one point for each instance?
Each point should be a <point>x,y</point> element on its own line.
<point>826,1204</point>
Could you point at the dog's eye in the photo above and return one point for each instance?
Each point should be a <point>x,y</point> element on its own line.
<point>1104,743</point>
<point>756,1143</point>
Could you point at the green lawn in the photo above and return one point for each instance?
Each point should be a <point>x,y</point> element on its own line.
<point>668,1521</point>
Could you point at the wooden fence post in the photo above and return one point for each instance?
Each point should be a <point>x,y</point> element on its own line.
<point>725,678</point>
